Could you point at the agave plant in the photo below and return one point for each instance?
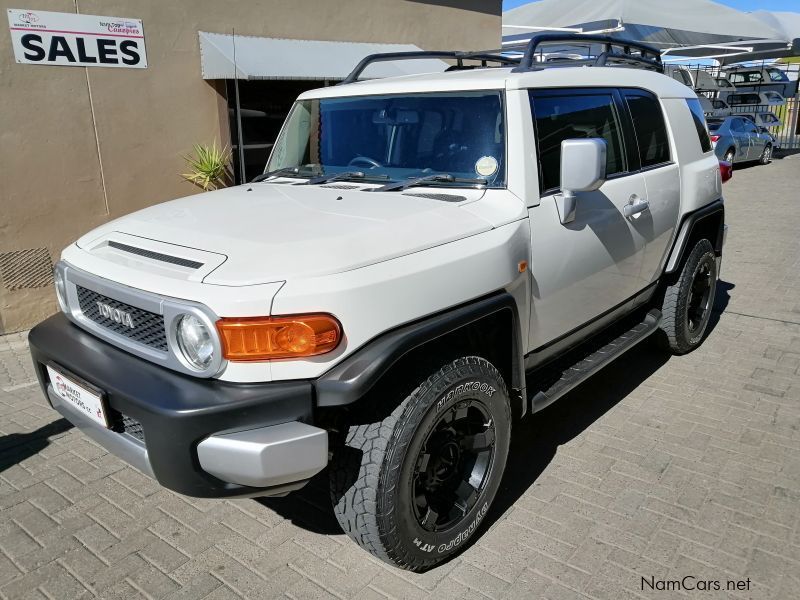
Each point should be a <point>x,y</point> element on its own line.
<point>210,166</point>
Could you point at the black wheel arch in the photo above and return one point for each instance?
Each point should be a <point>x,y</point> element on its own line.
<point>708,223</point>
<point>489,327</point>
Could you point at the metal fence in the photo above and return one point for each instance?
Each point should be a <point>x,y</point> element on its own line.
<point>787,134</point>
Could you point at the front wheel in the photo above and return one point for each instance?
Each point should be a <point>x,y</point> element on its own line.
<point>414,487</point>
<point>766,155</point>
<point>688,302</point>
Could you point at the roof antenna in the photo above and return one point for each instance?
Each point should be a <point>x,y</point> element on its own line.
<point>240,141</point>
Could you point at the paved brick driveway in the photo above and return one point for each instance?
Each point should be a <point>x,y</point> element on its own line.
<point>656,468</point>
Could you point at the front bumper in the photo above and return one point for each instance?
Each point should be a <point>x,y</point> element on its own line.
<point>199,437</point>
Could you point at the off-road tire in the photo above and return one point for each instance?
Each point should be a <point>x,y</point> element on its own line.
<point>679,337</point>
<point>372,474</point>
<point>766,155</point>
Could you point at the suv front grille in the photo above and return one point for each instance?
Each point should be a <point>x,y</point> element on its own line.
<point>148,327</point>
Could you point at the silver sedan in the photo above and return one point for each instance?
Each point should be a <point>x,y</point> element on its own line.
<point>738,139</point>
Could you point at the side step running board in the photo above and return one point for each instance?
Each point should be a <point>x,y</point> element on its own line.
<point>577,366</point>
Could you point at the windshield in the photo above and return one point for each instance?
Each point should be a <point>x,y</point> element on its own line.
<point>396,137</point>
<point>714,124</point>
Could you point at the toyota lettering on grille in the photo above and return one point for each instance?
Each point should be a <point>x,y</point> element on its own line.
<point>115,314</point>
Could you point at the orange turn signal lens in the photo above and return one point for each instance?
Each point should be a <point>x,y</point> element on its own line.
<point>264,338</point>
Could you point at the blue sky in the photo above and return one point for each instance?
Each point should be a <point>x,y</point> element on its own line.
<point>745,5</point>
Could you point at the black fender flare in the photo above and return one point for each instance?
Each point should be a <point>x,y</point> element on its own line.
<point>352,378</point>
<point>688,225</point>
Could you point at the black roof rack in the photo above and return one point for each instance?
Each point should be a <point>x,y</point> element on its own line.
<point>615,50</point>
<point>484,56</point>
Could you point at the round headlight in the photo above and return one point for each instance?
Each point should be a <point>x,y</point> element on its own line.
<point>195,342</point>
<point>61,290</point>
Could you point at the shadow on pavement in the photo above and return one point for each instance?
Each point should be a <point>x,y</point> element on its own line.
<point>16,447</point>
<point>720,302</point>
<point>783,153</point>
<point>309,507</point>
<point>534,442</point>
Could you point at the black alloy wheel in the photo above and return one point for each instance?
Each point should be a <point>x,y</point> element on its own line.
<point>452,464</point>
<point>413,487</point>
<point>688,302</point>
<point>699,303</point>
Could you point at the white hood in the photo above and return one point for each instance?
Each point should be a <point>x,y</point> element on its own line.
<point>270,232</point>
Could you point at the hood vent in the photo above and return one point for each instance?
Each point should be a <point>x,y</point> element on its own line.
<point>442,197</point>
<point>173,260</point>
<point>340,186</point>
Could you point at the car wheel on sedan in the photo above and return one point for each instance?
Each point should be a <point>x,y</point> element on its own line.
<point>766,155</point>
<point>414,487</point>
<point>729,156</point>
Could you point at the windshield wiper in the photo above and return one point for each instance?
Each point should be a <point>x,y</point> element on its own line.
<point>432,178</point>
<point>277,172</point>
<point>342,176</point>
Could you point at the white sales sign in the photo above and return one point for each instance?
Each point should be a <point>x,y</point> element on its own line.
<point>52,38</point>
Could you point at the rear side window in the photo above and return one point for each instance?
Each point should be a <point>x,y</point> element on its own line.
<point>650,128</point>
<point>735,99</point>
<point>777,75</point>
<point>699,123</point>
<point>565,117</point>
<point>747,77</point>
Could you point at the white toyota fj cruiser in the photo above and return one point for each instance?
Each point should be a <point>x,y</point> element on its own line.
<point>426,259</point>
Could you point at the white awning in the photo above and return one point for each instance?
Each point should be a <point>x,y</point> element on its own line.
<point>698,28</point>
<point>223,56</point>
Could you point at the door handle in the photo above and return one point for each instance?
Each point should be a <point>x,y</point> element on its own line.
<point>635,206</point>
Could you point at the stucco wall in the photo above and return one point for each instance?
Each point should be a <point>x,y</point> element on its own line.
<point>51,188</point>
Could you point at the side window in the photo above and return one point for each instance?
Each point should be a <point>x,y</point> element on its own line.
<point>737,125</point>
<point>650,128</point>
<point>571,116</point>
<point>777,75</point>
<point>699,123</point>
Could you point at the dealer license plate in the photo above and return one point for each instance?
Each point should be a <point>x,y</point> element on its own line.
<point>88,402</point>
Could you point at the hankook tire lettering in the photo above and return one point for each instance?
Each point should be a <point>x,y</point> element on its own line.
<point>463,535</point>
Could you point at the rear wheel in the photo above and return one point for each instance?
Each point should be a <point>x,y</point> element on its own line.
<point>729,156</point>
<point>688,302</point>
<point>413,488</point>
<point>766,156</point>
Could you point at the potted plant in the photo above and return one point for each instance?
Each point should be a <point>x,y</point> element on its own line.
<point>209,166</point>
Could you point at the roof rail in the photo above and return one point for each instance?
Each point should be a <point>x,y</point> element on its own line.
<point>648,57</point>
<point>485,56</point>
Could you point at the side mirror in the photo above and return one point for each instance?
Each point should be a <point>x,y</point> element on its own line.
<point>583,169</point>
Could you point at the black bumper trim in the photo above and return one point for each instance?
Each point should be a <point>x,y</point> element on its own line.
<point>176,411</point>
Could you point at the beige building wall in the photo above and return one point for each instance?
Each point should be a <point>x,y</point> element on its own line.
<point>80,146</point>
